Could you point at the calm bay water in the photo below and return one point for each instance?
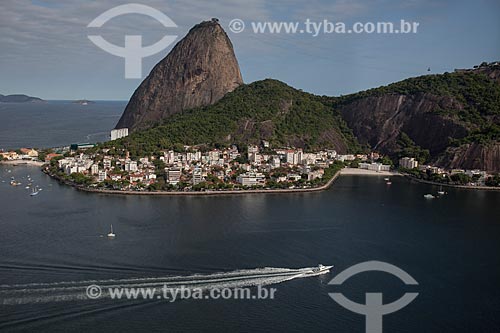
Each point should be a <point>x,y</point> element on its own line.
<point>56,123</point>
<point>451,246</point>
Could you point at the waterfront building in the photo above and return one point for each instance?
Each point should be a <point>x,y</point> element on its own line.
<point>293,177</point>
<point>312,175</point>
<point>251,179</point>
<point>81,146</point>
<point>375,166</point>
<point>173,175</point>
<point>408,162</point>
<point>197,176</point>
<point>102,176</point>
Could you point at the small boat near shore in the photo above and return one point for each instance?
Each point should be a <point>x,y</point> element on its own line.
<point>429,196</point>
<point>35,191</point>
<point>441,192</point>
<point>111,234</point>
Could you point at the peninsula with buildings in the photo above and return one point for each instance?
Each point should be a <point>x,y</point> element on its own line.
<point>193,126</point>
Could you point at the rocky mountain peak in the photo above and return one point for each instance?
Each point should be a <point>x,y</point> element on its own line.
<point>199,71</point>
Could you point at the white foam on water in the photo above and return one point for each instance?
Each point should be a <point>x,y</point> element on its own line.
<point>76,290</point>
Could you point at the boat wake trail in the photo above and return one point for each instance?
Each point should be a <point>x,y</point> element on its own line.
<point>76,290</point>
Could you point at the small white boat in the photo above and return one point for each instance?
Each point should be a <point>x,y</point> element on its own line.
<point>389,183</point>
<point>429,196</point>
<point>35,191</point>
<point>386,179</point>
<point>111,234</point>
<point>441,192</point>
<point>319,270</point>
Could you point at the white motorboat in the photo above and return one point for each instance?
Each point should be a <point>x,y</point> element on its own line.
<point>321,269</point>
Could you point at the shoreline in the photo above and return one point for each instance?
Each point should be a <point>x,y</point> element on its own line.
<point>23,162</point>
<point>463,187</point>
<point>365,172</point>
<point>211,193</point>
<point>343,171</point>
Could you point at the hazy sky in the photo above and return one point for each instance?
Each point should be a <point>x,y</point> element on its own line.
<point>45,51</point>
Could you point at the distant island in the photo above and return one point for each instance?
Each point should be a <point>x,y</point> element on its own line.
<point>19,98</point>
<point>83,102</point>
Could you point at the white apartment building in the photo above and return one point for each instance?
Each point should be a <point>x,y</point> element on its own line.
<point>119,133</point>
<point>131,166</point>
<point>173,175</point>
<point>294,157</point>
<point>197,176</point>
<point>374,166</point>
<point>408,162</point>
<point>107,162</point>
<point>251,179</point>
<point>102,176</point>
<point>275,162</point>
<point>94,169</point>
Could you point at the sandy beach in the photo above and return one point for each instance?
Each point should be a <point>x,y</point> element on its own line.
<point>364,172</point>
<point>23,162</point>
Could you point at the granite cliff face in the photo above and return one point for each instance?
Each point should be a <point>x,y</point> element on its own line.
<point>472,156</point>
<point>198,71</point>
<point>456,117</point>
<point>378,121</point>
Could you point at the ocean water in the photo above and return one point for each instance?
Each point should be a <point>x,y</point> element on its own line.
<point>53,245</point>
<point>449,245</point>
<point>56,123</point>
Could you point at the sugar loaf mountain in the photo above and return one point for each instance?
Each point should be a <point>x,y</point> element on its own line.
<point>196,96</point>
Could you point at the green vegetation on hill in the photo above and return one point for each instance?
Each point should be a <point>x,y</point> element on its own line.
<point>264,110</point>
<point>409,148</point>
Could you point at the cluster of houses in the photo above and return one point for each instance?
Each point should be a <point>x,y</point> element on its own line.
<point>21,154</point>
<point>193,166</point>
<point>109,168</point>
<point>412,163</point>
